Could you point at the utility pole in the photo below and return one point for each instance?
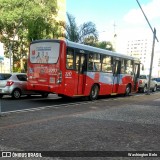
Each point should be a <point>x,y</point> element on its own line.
<point>153,45</point>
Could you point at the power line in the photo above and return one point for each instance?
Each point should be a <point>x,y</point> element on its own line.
<point>147,20</point>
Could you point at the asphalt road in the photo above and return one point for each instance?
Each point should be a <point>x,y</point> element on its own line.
<point>7,104</point>
<point>108,124</point>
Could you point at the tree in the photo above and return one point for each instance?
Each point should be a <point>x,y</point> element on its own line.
<point>79,34</point>
<point>85,33</point>
<point>105,45</point>
<point>22,21</point>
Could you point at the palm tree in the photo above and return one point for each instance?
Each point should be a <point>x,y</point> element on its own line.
<point>81,33</point>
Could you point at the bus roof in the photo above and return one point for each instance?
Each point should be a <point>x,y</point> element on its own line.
<point>98,50</point>
<point>88,48</point>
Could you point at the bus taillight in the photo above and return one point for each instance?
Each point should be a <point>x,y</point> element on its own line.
<point>59,77</point>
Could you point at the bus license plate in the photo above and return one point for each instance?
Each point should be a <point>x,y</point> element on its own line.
<point>52,80</point>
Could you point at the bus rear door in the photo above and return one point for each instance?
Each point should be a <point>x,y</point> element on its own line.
<point>80,77</point>
<point>116,76</point>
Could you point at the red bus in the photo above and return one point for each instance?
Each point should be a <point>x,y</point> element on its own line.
<point>71,69</point>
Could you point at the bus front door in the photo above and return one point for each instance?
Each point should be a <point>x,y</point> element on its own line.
<point>116,77</point>
<point>80,77</point>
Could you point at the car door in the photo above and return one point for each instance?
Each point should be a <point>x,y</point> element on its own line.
<point>22,83</point>
<point>153,83</point>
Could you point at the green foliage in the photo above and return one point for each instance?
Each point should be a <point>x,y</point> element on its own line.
<point>105,45</point>
<point>81,33</point>
<point>22,21</point>
<point>85,33</point>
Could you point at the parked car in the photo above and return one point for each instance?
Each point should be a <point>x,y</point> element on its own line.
<point>15,84</point>
<point>143,83</point>
<point>158,81</point>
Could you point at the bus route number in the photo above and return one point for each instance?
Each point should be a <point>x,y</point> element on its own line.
<point>68,74</point>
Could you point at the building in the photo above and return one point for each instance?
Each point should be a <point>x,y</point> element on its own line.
<point>142,49</point>
<point>4,62</point>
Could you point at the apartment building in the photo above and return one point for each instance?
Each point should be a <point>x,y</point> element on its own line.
<point>142,49</point>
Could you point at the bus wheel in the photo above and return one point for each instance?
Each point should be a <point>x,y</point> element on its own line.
<point>128,90</point>
<point>94,92</point>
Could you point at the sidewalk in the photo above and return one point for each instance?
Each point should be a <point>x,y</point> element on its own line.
<point>120,124</point>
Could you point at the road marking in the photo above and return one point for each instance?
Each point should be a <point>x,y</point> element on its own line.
<point>45,107</point>
<point>69,104</point>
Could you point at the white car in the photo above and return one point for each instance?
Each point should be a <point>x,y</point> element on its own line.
<point>143,83</point>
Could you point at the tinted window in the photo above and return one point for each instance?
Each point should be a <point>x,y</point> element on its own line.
<point>127,67</point>
<point>106,63</point>
<point>94,62</point>
<point>70,59</point>
<point>5,76</point>
<point>22,77</point>
<point>157,79</point>
<point>142,77</point>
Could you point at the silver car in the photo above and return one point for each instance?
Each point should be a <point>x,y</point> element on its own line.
<point>15,84</point>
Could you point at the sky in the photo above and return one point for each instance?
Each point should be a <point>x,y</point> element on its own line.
<point>125,14</point>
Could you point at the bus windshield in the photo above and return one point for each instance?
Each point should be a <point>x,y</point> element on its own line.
<point>45,53</point>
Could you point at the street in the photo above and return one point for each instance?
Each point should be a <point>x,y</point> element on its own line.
<point>108,124</point>
<point>36,102</point>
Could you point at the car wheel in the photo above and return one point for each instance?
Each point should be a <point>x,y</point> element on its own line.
<point>155,88</point>
<point>16,94</point>
<point>144,90</point>
<point>128,90</point>
<point>94,92</point>
<point>1,95</point>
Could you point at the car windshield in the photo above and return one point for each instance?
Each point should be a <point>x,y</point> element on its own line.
<point>142,76</point>
<point>157,79</point>
<point>4,76</point>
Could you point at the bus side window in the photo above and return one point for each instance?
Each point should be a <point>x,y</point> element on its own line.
<point>90,66</point>
<point>70,58</point>
<point>94,62</point>
<point>106,64</point>
<point>129,67</point>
